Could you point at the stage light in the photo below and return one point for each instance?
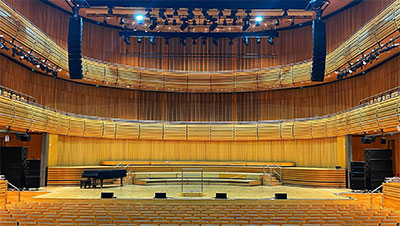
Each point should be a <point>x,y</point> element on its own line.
<point>161,14</point>
<point>258,40</point>
<point>139,18</point>
<point>184,25</point>
<point>213,26</point>
<point>215,41</point>
<point>246,40</point>
<point>258,19</point>
<point>276,22</point>
<point>110,11</point>
<point>126,40</point>
<point>139,39</point>
<point>153,23</point>
<point>122,21</point>
<point>383,140</point>
<point>151,40</point>
<point>182,41</point>
<point>230,41</point>
<point>246,25</point>
<point>148,13</point>
<point>271,41</point>
<point>190,14</point>
<point>175,12</point>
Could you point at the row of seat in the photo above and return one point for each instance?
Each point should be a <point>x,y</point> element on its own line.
<point>20,115</point>
<point>22,31</point>
<point>193,213</point>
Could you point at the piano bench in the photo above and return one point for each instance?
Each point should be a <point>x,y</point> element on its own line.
<point>85,183</point>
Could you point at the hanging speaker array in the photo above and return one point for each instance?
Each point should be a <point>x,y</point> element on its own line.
<point>75,47</point>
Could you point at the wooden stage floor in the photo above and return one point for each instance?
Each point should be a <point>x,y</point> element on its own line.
<point>174,192</point>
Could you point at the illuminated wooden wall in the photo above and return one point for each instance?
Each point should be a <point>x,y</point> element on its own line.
<point>292,46</point>
<point>146,105</point>
<point>90,151</point>
<point>34,145</point>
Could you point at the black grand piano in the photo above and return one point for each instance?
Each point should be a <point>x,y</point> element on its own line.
<point>94,175</point>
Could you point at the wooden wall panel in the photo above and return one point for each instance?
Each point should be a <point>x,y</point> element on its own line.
<point>292,46</point>
<point>147,105</point>
<point>90,151</point>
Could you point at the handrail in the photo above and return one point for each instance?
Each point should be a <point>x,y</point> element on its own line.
<point>378,188</point>
<point>14,93</point>
<point>19,191</point>
<point>381,96</point>
<point>272,172</point>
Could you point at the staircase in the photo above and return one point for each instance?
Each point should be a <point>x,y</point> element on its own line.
<point>272,175</point>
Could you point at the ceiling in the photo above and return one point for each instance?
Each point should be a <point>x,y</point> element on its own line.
<point>275,14</point>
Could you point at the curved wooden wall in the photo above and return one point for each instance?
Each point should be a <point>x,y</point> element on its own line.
<point>379,116</point>
<point>292,45</point>
<point>377,30</point>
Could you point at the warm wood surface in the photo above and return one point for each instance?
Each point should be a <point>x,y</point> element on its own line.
<point>143,105</point>
<point>34,145</point>
<point>379,29</point>
<point>292,45</point>
<point>197,163</point>
<point>391,195</point>
<point>323,177</point>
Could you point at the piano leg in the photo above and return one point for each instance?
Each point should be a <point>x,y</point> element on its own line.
<point>94,182</point>
<point>101,183</point>
<point>122,183</point>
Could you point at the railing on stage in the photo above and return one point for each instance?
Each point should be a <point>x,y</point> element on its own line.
<point>271,171</point>
<point>196,176</point>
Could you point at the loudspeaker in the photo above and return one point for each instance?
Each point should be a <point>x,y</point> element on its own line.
<point>160,195</point>
<point>221,195</point>
<point>357,167</point>
<point>75,47</point>
<point>33,167</point>
<point>32,181</point>
<point>377,154</point>
<point>357,183</point>
<point>378,166</point>
<point>24,137</point>
<point>13,164</point>
<point>107,195</point>
<point>280,195</point>
<point>319,50</point>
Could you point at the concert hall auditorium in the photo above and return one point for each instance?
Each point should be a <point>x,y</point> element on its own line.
<point>192,113</point>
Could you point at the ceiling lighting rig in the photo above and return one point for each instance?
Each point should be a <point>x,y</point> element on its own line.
<point>21,54</point>
<point>365,59</point>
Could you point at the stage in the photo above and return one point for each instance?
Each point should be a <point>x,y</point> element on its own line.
<point>174,192</point>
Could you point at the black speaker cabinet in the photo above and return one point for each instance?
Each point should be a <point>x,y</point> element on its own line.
<point>13,164</point>
<point>32,181</point>
<point>75,47</point>
<point>160,195</point>
<point>378,166</point>
<point>319,50</point>
<point>107,195</point>
<point>280,195</point>
<point>221,195</point>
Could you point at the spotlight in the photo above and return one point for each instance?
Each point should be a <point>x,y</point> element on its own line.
<point>366,140</point>
<point>383,140</point>
<point>110,10</point>
<point>258,40</point>
<point>215,41</point>
<point>203,40</point>
<point>166,41</point>
<point>151,40</point>
<point>213,26</point>
<point>139,39</point>
<point>153,23</point>
<point>148,13</point>
<point>246,25</point>
<point>4,46</point>
<point>126,40</point>
<point>176,12</point>
<point>258,19</point>
<point>230,41</point>
<point>161,14</point>
<point>246,40</point>
<point>182,41</point>
<point>271,41</point>
<point>122,21</point>
<point>184,25</point>
<point>221,13</point>
<point>139,18</point>
<point>277,22</point>
<point>190,14</point>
